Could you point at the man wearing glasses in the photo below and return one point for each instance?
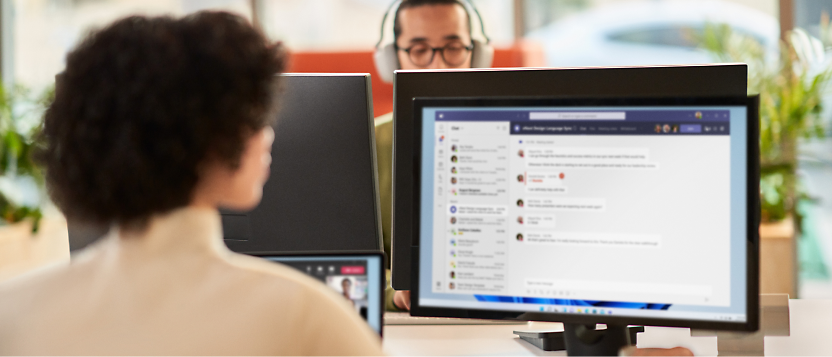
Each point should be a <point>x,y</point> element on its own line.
<point>429,34</point>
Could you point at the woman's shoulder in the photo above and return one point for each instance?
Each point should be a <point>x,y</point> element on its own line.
<point>320,311</point>
<point>267,269</point>
<point>281,279</point>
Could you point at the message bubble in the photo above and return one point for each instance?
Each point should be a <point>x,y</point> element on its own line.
<point>609,240</point>
<point>468,159</point>
<point>544,178</point>
<point>545,183</point>
<point>581,154</point>
<point>480,221</point>
<point>476,170</point>
<point>567,204</point>
<point>477,210</point>
<point>478,181</point>
<point>476,192</point>
<point>540,220</point>
<point>477,148</point>
<point>546,190</point>
<point>589,158</point>
<point>595,166</point>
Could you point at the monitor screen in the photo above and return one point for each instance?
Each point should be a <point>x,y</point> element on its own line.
<point>358,277</point>
<point>619,208</point>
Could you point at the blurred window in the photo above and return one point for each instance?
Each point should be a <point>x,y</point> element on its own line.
<point>37,34</point>
<point>678,36</point>
<point>43,31</point>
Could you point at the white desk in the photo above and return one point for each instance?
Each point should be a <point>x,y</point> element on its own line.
<point>811,334</point>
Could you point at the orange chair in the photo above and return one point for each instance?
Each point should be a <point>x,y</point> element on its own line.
<point>362,62</point>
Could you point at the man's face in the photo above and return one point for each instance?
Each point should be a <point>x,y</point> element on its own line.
<point>435,26</point>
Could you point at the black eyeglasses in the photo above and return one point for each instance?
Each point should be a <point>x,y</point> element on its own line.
<point>454,54</point>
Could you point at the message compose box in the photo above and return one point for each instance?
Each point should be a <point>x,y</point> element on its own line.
<point>599,240</point>
<point>589,158</point>
<point>567,204</point>
<point>621,287</point>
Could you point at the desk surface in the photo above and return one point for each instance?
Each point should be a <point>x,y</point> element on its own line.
<point>810,320</point>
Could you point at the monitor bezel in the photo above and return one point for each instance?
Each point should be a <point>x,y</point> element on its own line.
<point>752,205</point>
<point>341,254</point>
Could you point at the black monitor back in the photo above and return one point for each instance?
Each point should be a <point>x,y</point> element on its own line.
<point>656,81</point>
<point>322,194</point>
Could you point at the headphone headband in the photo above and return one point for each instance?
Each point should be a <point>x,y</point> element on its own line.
<point>395,4</point>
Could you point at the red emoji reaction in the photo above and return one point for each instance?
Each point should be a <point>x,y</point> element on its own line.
<point>562,175</point>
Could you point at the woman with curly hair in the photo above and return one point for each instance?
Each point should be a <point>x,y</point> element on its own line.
<point>156,123</point>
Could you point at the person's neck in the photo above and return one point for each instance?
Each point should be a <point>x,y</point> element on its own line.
<point>188,228</point>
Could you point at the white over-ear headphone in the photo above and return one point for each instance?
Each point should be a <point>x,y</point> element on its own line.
<point>387,60</point>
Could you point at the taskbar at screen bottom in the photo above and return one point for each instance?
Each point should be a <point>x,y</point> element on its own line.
<point>586,308</point>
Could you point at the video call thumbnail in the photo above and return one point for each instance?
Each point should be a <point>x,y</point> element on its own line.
<point>347,278</point>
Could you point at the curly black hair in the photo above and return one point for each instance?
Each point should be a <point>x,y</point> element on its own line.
<point>146,100</point>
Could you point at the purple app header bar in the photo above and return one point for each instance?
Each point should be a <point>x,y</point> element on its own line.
<point>589,115</point>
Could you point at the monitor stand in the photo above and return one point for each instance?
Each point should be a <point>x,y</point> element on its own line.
<point>583,340</point>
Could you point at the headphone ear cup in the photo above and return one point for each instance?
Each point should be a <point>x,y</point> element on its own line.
<point>483,55</point>
<point>386,62</point>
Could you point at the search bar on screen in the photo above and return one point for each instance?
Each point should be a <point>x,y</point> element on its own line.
<point>577,115</point>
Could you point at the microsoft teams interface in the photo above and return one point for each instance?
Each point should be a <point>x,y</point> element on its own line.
<point>635,211</point>
<point>356,278</point>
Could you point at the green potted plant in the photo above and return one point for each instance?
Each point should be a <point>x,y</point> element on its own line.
<point>791,86</point>
<point>28,238</point>
<point>21,180</point>
<point>791,83</point>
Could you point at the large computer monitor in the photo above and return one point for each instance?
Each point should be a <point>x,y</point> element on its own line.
<point>616,211</point>
<point>697,80</point>
<point>322,194</point>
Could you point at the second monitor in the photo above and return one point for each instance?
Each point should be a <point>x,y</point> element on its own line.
<point>322,194</point>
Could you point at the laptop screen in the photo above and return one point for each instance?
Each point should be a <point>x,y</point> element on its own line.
<point>358,278</point>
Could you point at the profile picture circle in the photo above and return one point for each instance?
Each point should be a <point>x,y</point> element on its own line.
<point>454,159</point>
<point>453,148</point>
<point>453,220</point>
<point>519,237</point>
<point>658,128</point>
<point>520,178</point>
<point>521,153</point>
<point>453,275</point>
<point>519,203</point>
<point>451,286</point>
<point>453,180</point>
<point>520,219</point>
<point>666,128</point>
<point>675,129</point>
<point>453,170</point>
